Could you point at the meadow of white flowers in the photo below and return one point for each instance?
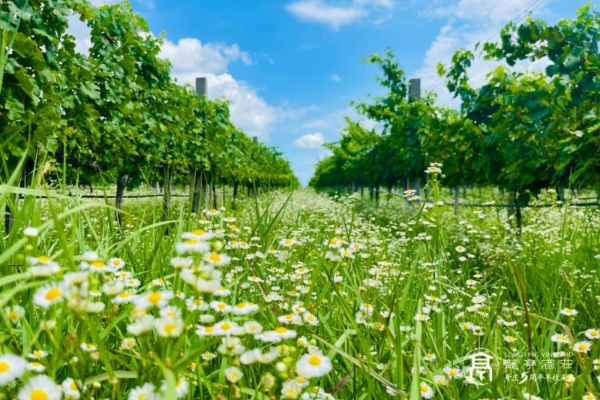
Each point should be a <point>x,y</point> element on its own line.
<point>302,296</point>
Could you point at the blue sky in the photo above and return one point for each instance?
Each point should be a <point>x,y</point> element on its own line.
<point>291,67</point>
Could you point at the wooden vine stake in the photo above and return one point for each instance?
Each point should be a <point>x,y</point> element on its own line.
<point>198,172</point>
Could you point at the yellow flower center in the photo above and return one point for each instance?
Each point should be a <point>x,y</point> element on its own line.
<point>281,329</point>
<point>582,346</point>
<point>241,305</point>
<point>199,232</point>
<point>13,315</point>
<point>97,264</point>
<point>73,386</point>
<point>154,298</point>
<point>221,306</point>
<point>314,360</point>
<point>4,366</point>
<point>169,328</point>
<point>209,329</point>
<point>38,394</point>
<point>125,295</point>
<point>214,257</point>
<point>424,389</point>
<point>43,259</point>
<point>226,326</point>
<point>117,262</point>
<point>53,294</point>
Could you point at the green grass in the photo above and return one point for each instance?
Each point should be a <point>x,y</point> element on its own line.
<point>411,260</point>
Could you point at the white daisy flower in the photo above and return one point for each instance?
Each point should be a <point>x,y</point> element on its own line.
<point>181,387</point>
<point>291,390</point>
<point>123,298</point>
<point>217,259</point>
<point>310,319</point>
<point>116,263</point>
<point>88,347</point>
<point>231,346</point>
<point>582,347</point>
<point>96,266</point>
<point>71,389</point>
<point>36,366</point>
<point>287,242</point>
<point>293,319</point>
<point>222,292</point>
<point>453,372</point>
<point>220,307</point>
<point>592,334</point>
<point>38,354</point>
<point>194,304</point>
<point>49,294</point>
<point>141,325</point>
<point>426,391</point>
<point>313,365</point>
<point>153,299</point>
<point>198,234</point>
<point>252,328</point>
<point>182,262</point>
<point>233,374</point>
<point>30,232</point>
<point>559,338</point>
<point>11,368</point>
<point>144,392</point>
<point>40,387</point>
<point>14,313</point>
<point>168,327</point>
<point>227,328</point>
<point>568,312</point>
<point>192,246</point>
<point>244,308</point>
<point>170,312</point>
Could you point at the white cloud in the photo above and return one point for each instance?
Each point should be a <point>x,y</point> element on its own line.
<point>192,59</point>
<point>336,16</point>
<point>469,22</point>
<point>335,77</point>
<point>190,54</point>
<point>310,141</point>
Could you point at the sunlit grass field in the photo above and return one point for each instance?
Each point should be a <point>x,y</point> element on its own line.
<point>298,296</point>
